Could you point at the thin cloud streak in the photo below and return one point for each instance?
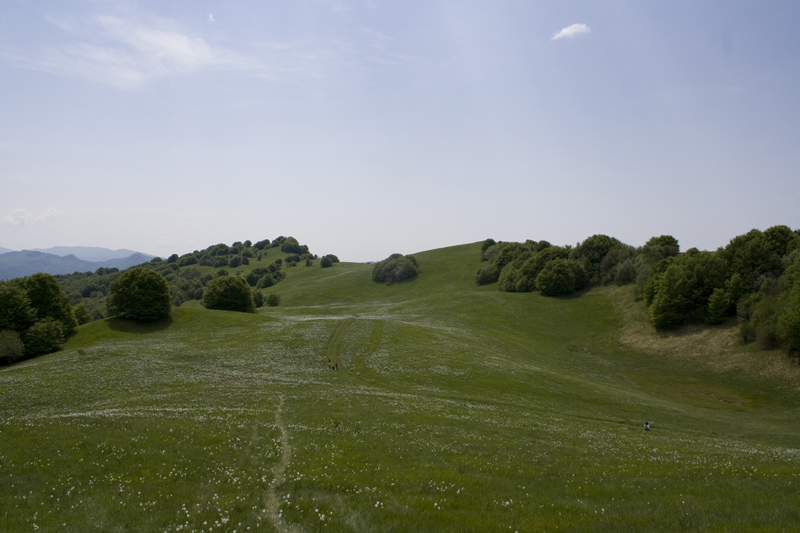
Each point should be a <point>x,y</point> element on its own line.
<point>572,31</point>
<point>20,217</point>
<point>127,54</point>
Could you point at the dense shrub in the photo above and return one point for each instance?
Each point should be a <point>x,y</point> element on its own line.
<point>258,299</point>
<point>229,293</point>
<point>49,300</point>
<point>557,278</point>
<point>485,275</point>
<point>140,294</point>
<point>325,262</point>
<point>15,307</point>
<point>395,268</point>
<point>291,246</point>
<point>11,346</point>
<point>44,337</point>
<point>273,300</point>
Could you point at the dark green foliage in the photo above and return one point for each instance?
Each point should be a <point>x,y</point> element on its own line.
<point>188,259</point>
<point>751,256</point>
<point>255,275</point>
<point>507,282</point>
<point>266,281</point>
<point>333,258</point>
<point>614,260</point>
<point>82,315</point>
<point>258,299</point>
<point>485,275</point>
<point>668,309</point>
<point>593,250</point>
<point>533,265</point>
<point>557,278</point>
<point>140,294</point>
<point>395,268</point>
<point>273,300</point>
<point>790,318</point>
<point>325,262</point>
<point>221,272</point>
<point>291,246</point>
<point>667,243</point>
<point>11,346</point>
<point>260,245</point>
<point>234,261</point>
<point>173,258</point>
<point>651,284</point>
<point>228,293</point>
<point>681,294</point>
<point>44,337</point>
<point>581,276</point>
<point>488,243</point>
<point>50,300</point>
<point>718,304</point>
<point>15,307</point>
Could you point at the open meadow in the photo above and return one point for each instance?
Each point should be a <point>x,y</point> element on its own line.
<point>456,407</point>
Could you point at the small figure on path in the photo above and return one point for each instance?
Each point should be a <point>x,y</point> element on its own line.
<point>336,365</point>
<point>330,365</point>
<point>647,426</point>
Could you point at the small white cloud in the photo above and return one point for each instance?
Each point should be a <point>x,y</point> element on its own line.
<point>211,19</point>
<point>572,31</point>
<point>20,217</point>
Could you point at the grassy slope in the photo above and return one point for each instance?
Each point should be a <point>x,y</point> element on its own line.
<point>456,407</point>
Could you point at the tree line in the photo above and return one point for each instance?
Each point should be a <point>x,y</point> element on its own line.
<point>755,278</point>
<point>38,313</point>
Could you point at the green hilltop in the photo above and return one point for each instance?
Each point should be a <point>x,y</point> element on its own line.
<point>455,407</point>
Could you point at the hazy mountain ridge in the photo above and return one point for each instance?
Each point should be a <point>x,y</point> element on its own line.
<point>28,262</point>
<point>91,253</point>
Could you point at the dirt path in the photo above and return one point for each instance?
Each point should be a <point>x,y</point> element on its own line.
<point>273,502</point>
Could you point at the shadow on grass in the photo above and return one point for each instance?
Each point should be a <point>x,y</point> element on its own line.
<point>132,326</point>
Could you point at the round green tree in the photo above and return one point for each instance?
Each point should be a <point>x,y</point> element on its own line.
<point>229,293</point>
<point>50,300</point>
<point>140,294</point>
<point>557,278</point>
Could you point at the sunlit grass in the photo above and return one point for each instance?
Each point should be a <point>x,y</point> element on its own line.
<point>455,408</point>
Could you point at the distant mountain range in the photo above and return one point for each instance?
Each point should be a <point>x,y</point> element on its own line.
<point>90,253</point>
<point>65,260</point>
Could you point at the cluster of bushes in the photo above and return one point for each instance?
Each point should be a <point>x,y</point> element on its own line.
<point>87,291</point>
<point>35,317</point>
<point>395,268</point>
<point>563,270</point>
<point>328,260</point>
<point>756,277</point>
<point>232,293</point>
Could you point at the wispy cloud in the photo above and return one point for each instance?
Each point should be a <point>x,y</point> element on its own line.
<point>124,53</point>
<point>572,31</point>
<point>20,217</point>
<point>211,19</point>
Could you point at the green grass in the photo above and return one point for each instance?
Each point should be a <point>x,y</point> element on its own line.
<point>456,408</point>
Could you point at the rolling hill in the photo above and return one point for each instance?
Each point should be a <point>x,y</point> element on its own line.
<point>456,407</point>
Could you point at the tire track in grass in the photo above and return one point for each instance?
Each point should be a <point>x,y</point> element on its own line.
<point>279,476</point>
<point>332,350</point>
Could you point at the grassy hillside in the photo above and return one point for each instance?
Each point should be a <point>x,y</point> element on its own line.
<point>455,408</point>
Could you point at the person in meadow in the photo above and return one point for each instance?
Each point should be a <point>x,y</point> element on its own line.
<point>647,426</point>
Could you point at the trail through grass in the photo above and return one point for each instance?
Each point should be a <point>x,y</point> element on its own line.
<point>455,408</point>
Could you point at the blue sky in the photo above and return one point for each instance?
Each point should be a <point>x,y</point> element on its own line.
<point>367,128</point>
